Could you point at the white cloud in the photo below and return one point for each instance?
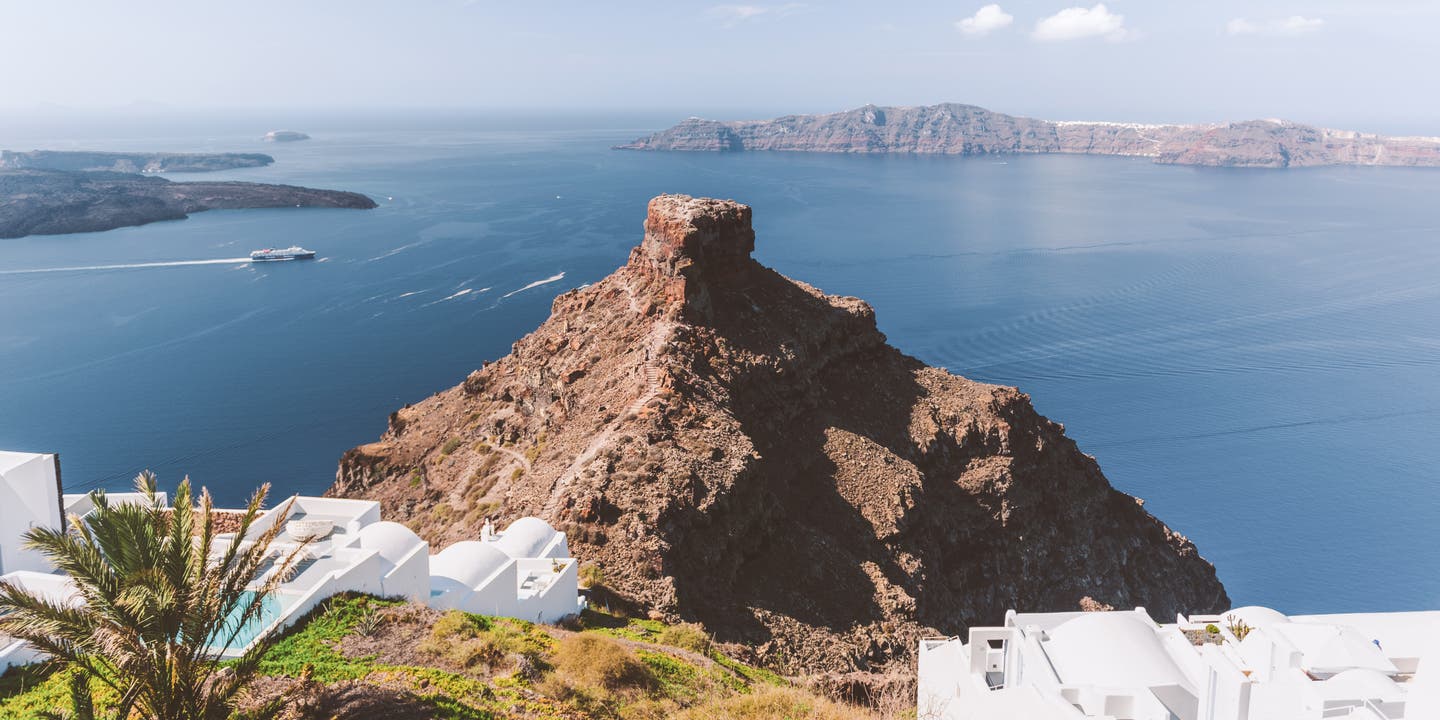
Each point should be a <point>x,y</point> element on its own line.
<point>1079,22</point>
<point>1293,25</point>
<point>732,15</point>
<point>1298,25</point>
<point>986,20</point>
<point>1240,26</point>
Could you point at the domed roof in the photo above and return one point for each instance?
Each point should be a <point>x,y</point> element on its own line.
<point>1361,684</point>
<point>470,562</point>
<point>1257,617</point>
<point>526,538</point>
<point>1118,649</point>
<point>392,540</point>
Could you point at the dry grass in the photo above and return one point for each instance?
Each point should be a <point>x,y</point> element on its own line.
<point>468,641</point>
<point>773,703</point>
<point>599,661</point>
<point>688,636</point>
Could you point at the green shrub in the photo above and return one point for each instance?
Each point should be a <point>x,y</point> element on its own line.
<point>451,445</point>
<point>591,576</point>
<point>688,636</point>
<point>1212,629</point>
<point>1239,628</point>
<point>470,640</point>
<point>599,661</point>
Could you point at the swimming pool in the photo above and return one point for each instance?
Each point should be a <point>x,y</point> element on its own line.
<point>272,608</point>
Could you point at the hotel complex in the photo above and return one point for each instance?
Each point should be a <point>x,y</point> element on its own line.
<point>524,571</point>
<point>1252,663</point>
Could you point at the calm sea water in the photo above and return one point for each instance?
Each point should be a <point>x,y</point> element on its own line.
<point>1253,352</point>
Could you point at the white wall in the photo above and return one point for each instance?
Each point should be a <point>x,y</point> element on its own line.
<point>14,653</point>
<point>559,599</point>
<point>29,497</point>
<point>496,594</point>
<point>410,578</point>
<point>942,675</point>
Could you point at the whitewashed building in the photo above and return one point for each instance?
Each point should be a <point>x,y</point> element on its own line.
<point>1252,663</point>
<point>524,571</point>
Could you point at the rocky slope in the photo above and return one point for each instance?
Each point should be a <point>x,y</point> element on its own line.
<point>738,448</point>
<point>969,130</point>
<point>52,202</point>
<point>130,162</point>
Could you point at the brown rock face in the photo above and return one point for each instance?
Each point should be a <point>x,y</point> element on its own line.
<point>738,448</point>
<point>968,130</point>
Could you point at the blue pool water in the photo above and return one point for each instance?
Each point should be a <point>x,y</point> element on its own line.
<point>271,608</point>
<point>1253,352</point>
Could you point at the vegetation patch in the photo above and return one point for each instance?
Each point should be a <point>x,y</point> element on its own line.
<point>451,446</point>
<point>359,656</point>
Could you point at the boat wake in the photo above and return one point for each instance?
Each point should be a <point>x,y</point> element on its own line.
<point>453,296</point>
<point>537,283</point>
<point>128,266</point>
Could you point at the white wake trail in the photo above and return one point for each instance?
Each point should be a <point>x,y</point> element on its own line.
<point>537,283</point>
<point>128,266</point>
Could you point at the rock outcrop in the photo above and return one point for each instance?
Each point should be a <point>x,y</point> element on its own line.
<point>969,130</point>
<point>130,162</point>
<point>54,202</point>
<point>734,447</point>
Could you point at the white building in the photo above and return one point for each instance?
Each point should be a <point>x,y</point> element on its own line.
<point>524,572</point>
<point>29,496</point>
<point>1252,663</point>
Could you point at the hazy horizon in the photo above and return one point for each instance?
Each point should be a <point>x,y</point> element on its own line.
<point>1342,64</point>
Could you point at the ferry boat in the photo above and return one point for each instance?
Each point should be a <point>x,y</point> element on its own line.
<point>294,252</point>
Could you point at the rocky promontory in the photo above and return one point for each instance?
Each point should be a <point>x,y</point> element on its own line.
<point>53,202</point>
<point>969,130</point>
<point>730,446</point>
<point>129,162</point>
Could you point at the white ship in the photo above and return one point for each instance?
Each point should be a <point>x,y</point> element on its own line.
<point>294,252</point>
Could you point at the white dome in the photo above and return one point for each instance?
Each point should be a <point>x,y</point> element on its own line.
<point>470,562</point>
<point>1361,684</point>
<point>392,540</point>
<point>526,538</point>
<point>1257,617</point>
<point>1113,649</point>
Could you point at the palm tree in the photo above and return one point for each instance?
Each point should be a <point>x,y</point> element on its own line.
<point>157,599</point>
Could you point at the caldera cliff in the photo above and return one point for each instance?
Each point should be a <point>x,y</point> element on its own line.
<point>955,129</point>
<point>738,448</point>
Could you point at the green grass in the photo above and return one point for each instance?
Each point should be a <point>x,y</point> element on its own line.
<point>312,642</point>
<point>673,681</point>
<point>674,678</point>
<point>620,627</point>
<point>30,693</point>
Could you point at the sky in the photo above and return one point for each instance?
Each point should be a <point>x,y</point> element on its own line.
<point>1358,64</point>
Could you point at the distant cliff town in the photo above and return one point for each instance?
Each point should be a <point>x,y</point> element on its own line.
<point>954,129</point>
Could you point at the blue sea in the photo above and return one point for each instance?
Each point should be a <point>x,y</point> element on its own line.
<point>1252,352</point>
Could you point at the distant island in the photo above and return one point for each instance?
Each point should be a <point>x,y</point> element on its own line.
<point>53,202</point>
<point>955,129</point>
<point>285,136</point>
<point>130,162</point>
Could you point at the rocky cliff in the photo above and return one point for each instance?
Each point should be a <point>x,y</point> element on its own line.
<point>130,162</point>
<point>969,130</point>
<point>53,202</point>
<point>738,448</point>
